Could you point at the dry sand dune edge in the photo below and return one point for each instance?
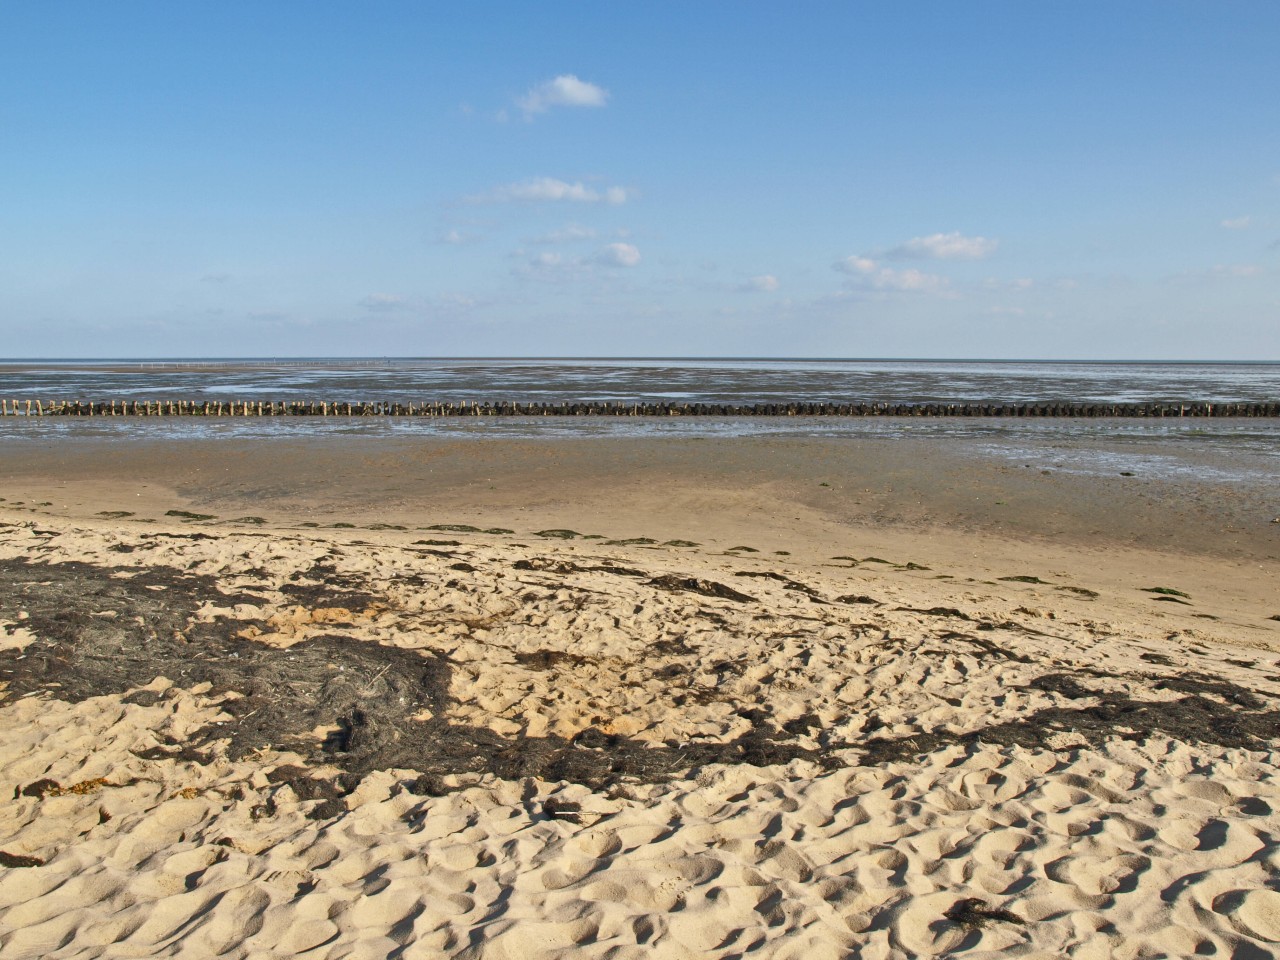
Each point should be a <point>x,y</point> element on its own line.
<point>494,745</point>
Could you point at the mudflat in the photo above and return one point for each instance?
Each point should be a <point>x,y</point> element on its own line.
<point>632,697</point>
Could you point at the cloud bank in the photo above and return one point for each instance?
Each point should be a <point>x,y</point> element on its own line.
<point>944,246</point>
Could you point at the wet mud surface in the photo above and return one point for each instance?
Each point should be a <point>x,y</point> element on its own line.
<point>103,630</point>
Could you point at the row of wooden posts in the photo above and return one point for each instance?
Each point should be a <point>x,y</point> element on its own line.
<point>385,408</point>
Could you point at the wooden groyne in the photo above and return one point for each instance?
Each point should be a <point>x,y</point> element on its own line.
<point>384,408</point>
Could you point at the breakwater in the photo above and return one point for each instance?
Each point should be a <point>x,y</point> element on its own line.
<point>380,408</point>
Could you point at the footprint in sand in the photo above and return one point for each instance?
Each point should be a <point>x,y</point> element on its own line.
<point>1254,912</point>
<point>1096,876</point>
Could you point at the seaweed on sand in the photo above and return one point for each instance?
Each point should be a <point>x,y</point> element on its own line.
<point>190,517</point>
<point>1212,711</point>
<point>373,696</point>
<point>787,582</point>
<point>707,588</point>
<point>973,914</point>
<point>558,534</point>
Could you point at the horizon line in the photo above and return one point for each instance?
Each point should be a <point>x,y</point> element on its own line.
<point>639,358</point>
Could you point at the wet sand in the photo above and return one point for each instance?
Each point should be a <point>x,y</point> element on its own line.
<point>811,498</point>
<point>912,483</point>
<point>631,698</point>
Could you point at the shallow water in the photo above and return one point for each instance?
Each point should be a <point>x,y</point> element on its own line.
<point>705,381</point>
<point>1222,449</point>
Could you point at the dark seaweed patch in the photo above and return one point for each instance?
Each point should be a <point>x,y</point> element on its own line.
<point>368,694</point>
<point>785,581</point>
<point>1213,711</point>
<point>188,516</point>
<point>547,565</point>
<point>17,860</point>
<point>371,696</point>
<point>987,646</point>
<point>549,659</point>
<point>936,612</point>
<point>973,914</point>
<point>706,588</point>
<point>1081,592</point>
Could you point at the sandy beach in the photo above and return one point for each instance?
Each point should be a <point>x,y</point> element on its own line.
<point>623,698</point>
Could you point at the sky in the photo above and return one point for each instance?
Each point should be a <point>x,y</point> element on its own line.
<point>1013,179</point>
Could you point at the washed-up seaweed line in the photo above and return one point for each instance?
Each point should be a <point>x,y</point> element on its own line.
<point>387,408</point>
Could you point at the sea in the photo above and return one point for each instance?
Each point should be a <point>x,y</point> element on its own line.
<point>1242,449</point>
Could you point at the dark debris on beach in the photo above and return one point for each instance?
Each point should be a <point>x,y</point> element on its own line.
<point>104,630</point>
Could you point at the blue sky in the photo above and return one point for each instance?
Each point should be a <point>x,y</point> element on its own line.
<point>989,179</point>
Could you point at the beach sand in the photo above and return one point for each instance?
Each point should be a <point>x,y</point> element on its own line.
<point>686,698</point>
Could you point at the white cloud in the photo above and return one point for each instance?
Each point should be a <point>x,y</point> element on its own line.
<point>871,275</point>
<point>565,90</point>
<point>552,189</point>
<point>1238,223</point>
<point>944,246</point>
<point>619,255</point>
<point>383,302</point>
<point>766,283</point>
<point>857,264</point>
<point>556,267</point>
